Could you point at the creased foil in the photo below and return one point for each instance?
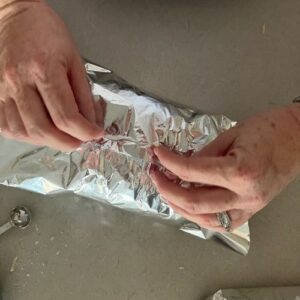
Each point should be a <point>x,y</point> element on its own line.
<point>270,293</point>
<point>116,169</point>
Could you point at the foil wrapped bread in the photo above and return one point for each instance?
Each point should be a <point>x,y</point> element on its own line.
<point>115,170</point>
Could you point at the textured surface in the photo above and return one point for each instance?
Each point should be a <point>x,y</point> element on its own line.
<point>211,55</point>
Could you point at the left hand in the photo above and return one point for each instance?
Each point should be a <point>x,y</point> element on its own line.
<point>45,98</point>
<point>243,169</point>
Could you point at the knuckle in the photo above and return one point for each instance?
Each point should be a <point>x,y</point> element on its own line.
<point>16,135</point>
<point>35,133</point>
<point>9,71</point>
<point>37,130</point>
<point>39,65</point>
<point>12,78</point>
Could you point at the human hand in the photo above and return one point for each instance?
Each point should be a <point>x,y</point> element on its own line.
<point>243,169</point>
<point>45,97</point>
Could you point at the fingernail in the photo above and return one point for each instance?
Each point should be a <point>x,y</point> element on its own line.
<point>162,149</point>
<point>153,148</point>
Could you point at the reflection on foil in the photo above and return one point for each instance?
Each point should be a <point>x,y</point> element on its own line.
<point>116,168</point>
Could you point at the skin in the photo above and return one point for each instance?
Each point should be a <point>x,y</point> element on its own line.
<point>243,169</point>
<point>45,97</point>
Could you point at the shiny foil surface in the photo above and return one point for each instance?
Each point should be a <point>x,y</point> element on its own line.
<point>270,293</point>
<point>116,169</point>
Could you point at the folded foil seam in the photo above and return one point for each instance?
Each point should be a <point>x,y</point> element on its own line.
<point>116,169</point>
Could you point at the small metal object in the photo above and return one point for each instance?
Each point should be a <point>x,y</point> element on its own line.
<point>19,217</point>
<point>225,220</point>
<point>296,100</point>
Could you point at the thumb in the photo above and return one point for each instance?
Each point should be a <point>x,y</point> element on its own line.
<point>81,90</point>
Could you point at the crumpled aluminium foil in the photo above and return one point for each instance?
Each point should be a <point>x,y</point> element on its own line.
<point>270,293</point>
<point>116,169</point>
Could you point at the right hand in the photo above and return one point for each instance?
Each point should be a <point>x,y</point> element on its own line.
<point>243,169</point>
<point>45,98</point>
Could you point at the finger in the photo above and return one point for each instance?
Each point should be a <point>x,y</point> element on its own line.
<point>211,222</point>
<point>208,221</point>
<point>220,145</point>
<point>100,108</point>
<point>39,126</point>
<point>15,128</point>
<point>3,122</point>
<point>206,170</point>
<point>59,99</point>
<point>239,217</point>
<point>196,200</point>
<point>81,90</point>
